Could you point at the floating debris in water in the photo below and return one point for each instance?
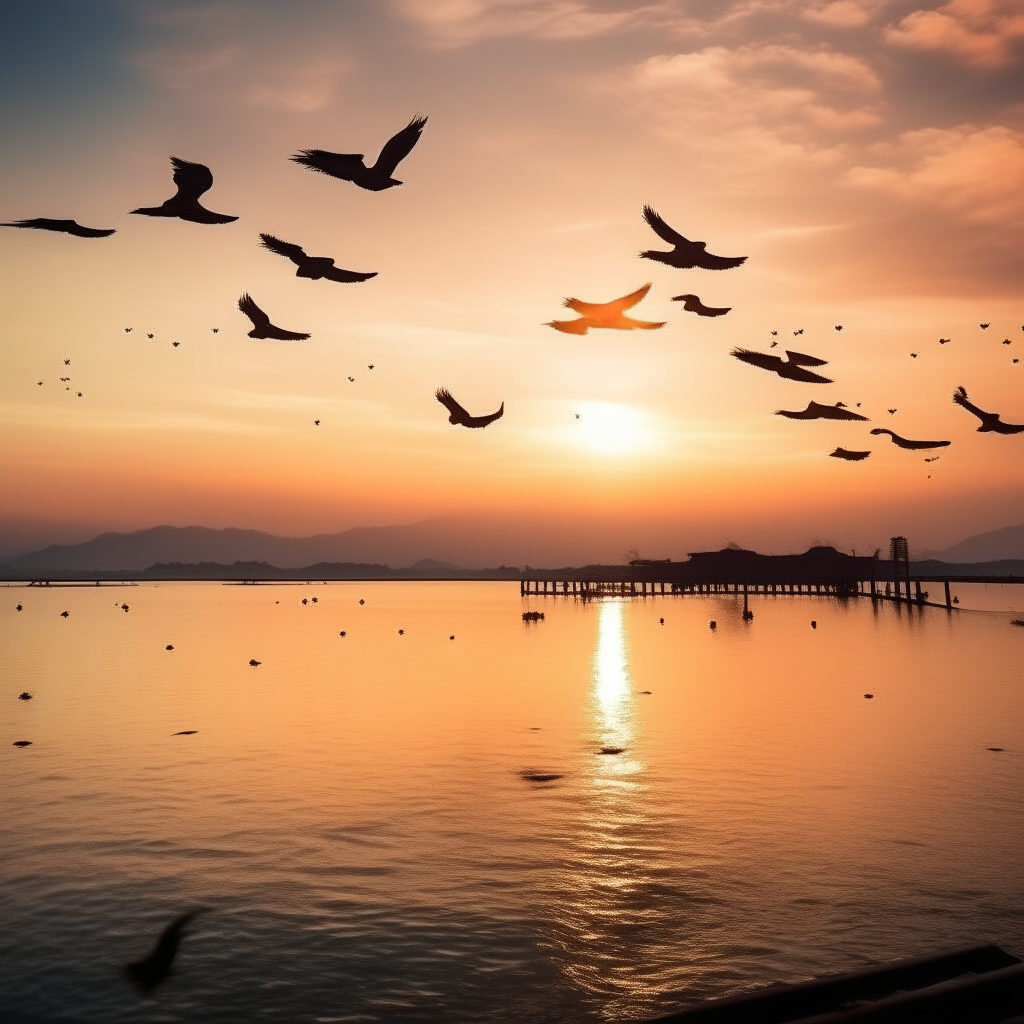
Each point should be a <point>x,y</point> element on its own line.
<point>532,616</point>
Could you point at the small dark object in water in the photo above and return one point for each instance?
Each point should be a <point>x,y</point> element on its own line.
<point>995,750</point>
<point>24,695</point>
<point>1017,622</point>
<point>254,663</point>
<point>748,616</point>
<point>956,600</point>
<point>539,776</point>
<point>18,608</point>
<point>612,750</point>
<point>124,607</point>
<point>814,624</point>
<point>712,624</point>
<point>647,691</point>
<point>313,600</point>
<point>22,743</point>
<point>148,973</point>
<point>532,616</point>
<point>169,647</point>
<point>304,601</point>
<point>361,601</point>
<point>869,696</point>
<point>186,732</point>
<point>452,637</point>
<point>661,622</point>
<point>849,456</point>
<point>534,728</point>
<point>342,633</point>
<point>64,615</point>
<point>401,632</point>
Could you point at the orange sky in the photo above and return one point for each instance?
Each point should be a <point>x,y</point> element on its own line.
<point>867,156</point>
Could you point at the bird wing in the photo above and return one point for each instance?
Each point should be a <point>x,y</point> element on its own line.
<point>280,334</point>
<point>832,412</point>
<point>706,261</point>
<point>192,179</point>
<point>259,319</point>
<point>801,359</point>
<point>570,326</point>
<point>960,397</point>
<point>444,396</point>
<point>663,231</point>
<point>482,421</point>
<point>791,372</point>
<point>628,301</point>
<point>627,323</point>
<point>762,359</point>
<point>843,453</point>
<point>348,276</point>
<point>903,442</point>
<point>801,414</point>
<point>70,227</point>
<point>293,252</point>
<point>692,304</point>
<point>337,165</point>
<point>399,146</point>
<point>598,309</point>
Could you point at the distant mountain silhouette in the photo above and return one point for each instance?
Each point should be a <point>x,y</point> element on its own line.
<point>1007,542</point>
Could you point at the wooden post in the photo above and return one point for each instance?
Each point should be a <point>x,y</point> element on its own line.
<point>917,590</point>
<point>949,600</point>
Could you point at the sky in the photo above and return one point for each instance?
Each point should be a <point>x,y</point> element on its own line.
<point>866,156</point>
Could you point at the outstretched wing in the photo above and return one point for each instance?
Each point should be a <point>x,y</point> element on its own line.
<point>192,179</point>
<point>960,397</point>
<point>663,231</point>
<point>293,252</point>
<point>762,359</point>
<point>831,412</point>
<point>842,453</point>
<point>627,323</point>
<point>692,304</point>
<point>706,261</point>
<point>904,442</point>
<point>791,372</point>
<point>346,166</point>
<point>627,301</point>
<point>482,421</point>
<point>259,319</point>
<point>399,146</point>
<point>570,326</point>
<point>70,227</point>
<point>444,396</point>
<point>801,359</point>
<point>348,276</point>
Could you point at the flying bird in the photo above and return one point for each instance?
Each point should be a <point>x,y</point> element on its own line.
<point>314,267</point>
<point>128,330</point>
<point>605,314</point>
<point>192,181</point>
<point>67,362</point>
<point>891,412</point>
<point>351,167</point>
<point>945,341</point>
<point>254,663</point>
<point>262,328</point>
<point>913,355</point>
<point>316,423</point>
<point>990,421</point>
<point>1006,341</point>
<point>837,327</point>
<point>814,411</point>
<point>984,327</point>
<point>934,458</point>
<point>175,344</point>
<point>692,304</point>
<point>369,366</point>
<point>351,380</point>
<point>150,336</point>
<point>797,332</point>
<point>459,416</point>
<point>842,453</point>
<point>68,227</point>
<point>685,254</point>
<point>792,367</point>
<point>902,442</point>
<point>153,969</point>
<point>774,344</point>
<point>215,330</point>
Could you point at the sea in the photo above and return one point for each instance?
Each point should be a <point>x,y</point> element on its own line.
<point>399,801</point>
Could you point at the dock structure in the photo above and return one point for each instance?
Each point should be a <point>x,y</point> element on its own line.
<point>818,571</point>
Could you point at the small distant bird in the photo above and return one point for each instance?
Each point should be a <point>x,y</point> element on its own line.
<point>186,732</point>
<point>869,696</point>
<point>712,624</point>
<point>795,333</point>
<point>990,421</point>
<point>913,355</point>
<point>814,625</point>
<point>215,330</point>
<point>401,632</point>
<point>774,334</point>
<point>945,341</point>
<point>369,366</point>
<point>78,394</point>
<point>64,615</point>
<point>192,181</point>
<point>684,254</point>
<point>1014,360</point>
<point>902,442</point>
<point>613,750</point>
<point>647,692</point>
<point>342,633</point>
<point>69,227</point>
<point>313,267</point>
<point>351,380</point>
<point>577,415</point>
<point>984,327</point>
<point>150,336</point>
<point>891,412</point>
<point>814,411</point>
<point>459,416</point>
<point>313,600</point>
<point>837,327</point>
<point>67,362</point>
<point>609,315</point>
<point>128,330</point>
<point>124,607</point>
<point>842,453</point>
<point>452,637</point>
<point>692,304</point>
<point>661,622</point>
<point>24,695</point>
<point>304,601</point>
<point>169,647</point>
<point>361,601</point>
<point>934,458</point>
<point>262,328</point>
<point>1006,341</point>
<point>18,607</point>
<point>792,367</point>
<point>22,743</point>
<point>774,344</point>
<point>254,663</point>
<point>153,969</point>
<point>316,423</point>
<point>64,380</point>
<point>351,167</point>
<point>841,405</point>
<point>175,344</point>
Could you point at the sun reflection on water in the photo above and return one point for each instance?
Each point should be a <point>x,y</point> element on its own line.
<point>612,704</point>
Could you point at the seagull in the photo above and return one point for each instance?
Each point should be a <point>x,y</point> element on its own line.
<point>800,331</point>
<point>774,344</point>
<point>314,267</point>
<point>837,327</point>
<point>891,412</point>
<point>64,380</point>
<point>692,304</point>
<point>69,227</point>
<point>149,972</point>
<point>262,328</point>
<point>39,382</point>
<point>316,423</point>
<point>370,366</point>
<point>175,344</point>
<point>459,416</point>
<point>192,181</point>
<point>685,254</point>
<point>842,453</point>
<point>945,341</point>
<point>351,167</point>
<point>24,695</point>
<point>150,336</point>
<point>605,314</point>
<point>128,330</point>
<point>902,442</point>
<point>774,334</point>
<point>351,380</point>
<point>814,411</point>
<point>913,355</point>
<point>984,327</point>
<point>254,663</point>
<point>215,330</point>
<point>990,421</point>
<point>64,615</point>
<point>1006,341</point>
<point>792,367</point>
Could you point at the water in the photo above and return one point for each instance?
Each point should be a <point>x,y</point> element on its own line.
<point>353,810</point>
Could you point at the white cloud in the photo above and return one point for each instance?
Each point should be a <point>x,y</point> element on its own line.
<point>978,32</point>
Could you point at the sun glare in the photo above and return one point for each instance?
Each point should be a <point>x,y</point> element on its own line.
<point>613,429</point>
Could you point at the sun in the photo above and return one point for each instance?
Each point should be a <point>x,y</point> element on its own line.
<point>611,429</point>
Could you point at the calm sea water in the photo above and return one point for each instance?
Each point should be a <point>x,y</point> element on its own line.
<point>353,811</point>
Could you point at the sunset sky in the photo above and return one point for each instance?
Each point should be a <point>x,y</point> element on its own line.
<point>867,156</point>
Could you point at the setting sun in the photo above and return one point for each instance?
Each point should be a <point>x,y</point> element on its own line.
<point>611,429</point>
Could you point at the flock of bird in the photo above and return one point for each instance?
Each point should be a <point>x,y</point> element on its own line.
<point>193,180</point>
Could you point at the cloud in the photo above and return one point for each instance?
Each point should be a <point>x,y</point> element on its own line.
<point>843,13</point>
<point>971,171</point>
<point>978,32</point>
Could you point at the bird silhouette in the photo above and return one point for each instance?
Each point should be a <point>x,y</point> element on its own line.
<point>351,167</point>
<point>913,355</point>
<point>774,344</point>
<point>128,330</point>
<point>459,416</point>
<point>186,732</point>
<point>1006,341</point>
<point>314,267</point>
<point>609,315</point>
<point>934,458</point>
<point>65,614</point>
<point>692,304</point>
<point>774,334</point>
<point>792,367</point>
<point>18,607</point>
<point>22,743</point>
<point>814,411</point>
<point>903,442</point>
<point>67,362</point>
<point>837,327</point>
<point>215,330</point>
<point>169,647</point>
<point>262,328</point>
<point>254,663</point>
<point>150,336</point>
<point>685,254</point>
<point>369,366</point>
<point>842,453</point>
<point>153,969</point>
<point>192,181</point>
<point>984,327</point>
<point>798,332</point>
<point>891,412</point>
<point>175,344</point>
<point>351,380</point>
<point>316,423</point>
<point>68,227</point>
<point>24,695</point>
<point>990,421</point>
<point>945,341</point>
